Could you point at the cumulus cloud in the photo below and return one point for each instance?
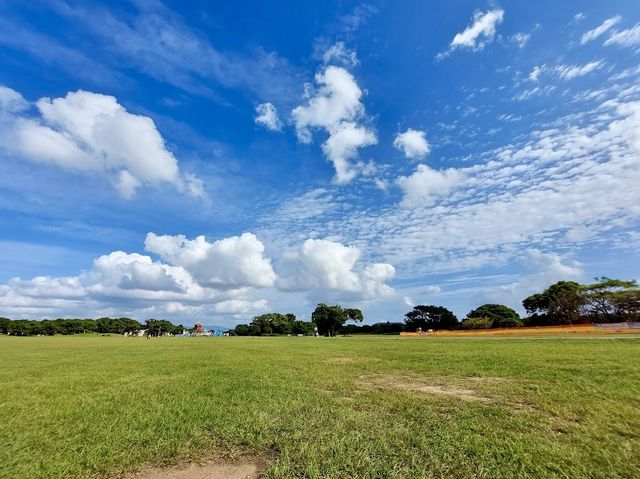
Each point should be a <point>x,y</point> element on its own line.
<point>233,262</point>
<point>241,306</point>
<point>197,277</point>
<point>11,101</point>
<point>133,271</point>
<point>479,34</point>
<point>413,143</point>
<point>268,117</point>
<point>625,38</point>
<point>116,280</point>
<point>93,134</point>
<point>322,264</point>
<point>342,146</point>
<point>336,107</point>
<point>426,185</point>
<point>600,30</point>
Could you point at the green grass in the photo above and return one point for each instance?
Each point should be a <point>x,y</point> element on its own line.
<point>103,406</point>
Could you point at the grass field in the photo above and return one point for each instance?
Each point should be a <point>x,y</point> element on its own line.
<point>375,407</point>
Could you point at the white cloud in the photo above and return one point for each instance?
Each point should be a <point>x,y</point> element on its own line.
<point>241,306</point>
<point>535,73</point>
<point>339,54</point>
<point>337,99</point>
<point>233,262</point>
<point>336,107</point>
<point>92,133</point>
<point>11,101</point>
<point>425,185</point>
<point>135,271</point>
<point>601,29</point>
<point>120,281</point>
<point>268,117</point>
<point>625,38</point>
<point>322,264</point>
<point>521,39</point>
<point>573,173</point>
<point>413,143</point>
<point>197,278</point>
<point>480,33</point>
<point>569,72</point>
<point>565,72</point>
<point>551,266</point>
<point>342,146</point>
<point>545,269</point>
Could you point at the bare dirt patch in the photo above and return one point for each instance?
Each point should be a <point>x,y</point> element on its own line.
<point>389,382</point>
<point>209,470</point>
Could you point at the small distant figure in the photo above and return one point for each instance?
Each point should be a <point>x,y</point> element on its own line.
<point>315,331</point>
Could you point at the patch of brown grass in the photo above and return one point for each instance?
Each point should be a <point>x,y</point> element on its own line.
<point>207,470</point>
<point>389,382</point>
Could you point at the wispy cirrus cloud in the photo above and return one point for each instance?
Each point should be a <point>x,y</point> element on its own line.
<point>629,37</point>
<point>155,40</point>
<point>565,72</point>
<point>600,30</point>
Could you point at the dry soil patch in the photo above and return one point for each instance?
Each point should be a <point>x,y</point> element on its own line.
<point>210,470</point>
<point>420,385</point>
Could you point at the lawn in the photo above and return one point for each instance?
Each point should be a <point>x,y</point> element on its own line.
<point>375,407</point>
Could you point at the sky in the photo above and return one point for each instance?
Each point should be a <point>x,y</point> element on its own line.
<point>201,161</point>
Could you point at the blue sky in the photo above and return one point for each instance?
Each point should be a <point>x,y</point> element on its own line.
<point>212,162</point>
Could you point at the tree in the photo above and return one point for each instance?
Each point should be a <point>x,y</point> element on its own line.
<point>329,319</point>
<point>302,327</point>
<point>177,330</point>
<point>5,324</point>
<point>612,300</point>
<point>274,323</point>
<point>157,327</point>
<point>430,317</point>
<point>560,303</point>
<point>500,315</point>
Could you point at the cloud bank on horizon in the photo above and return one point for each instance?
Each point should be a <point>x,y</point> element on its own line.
<point>153,171</point>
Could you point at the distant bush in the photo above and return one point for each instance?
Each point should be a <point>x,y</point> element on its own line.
<point>377,328</point>
<point>477,323</point>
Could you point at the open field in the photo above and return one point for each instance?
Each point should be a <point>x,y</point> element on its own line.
<point>91,406</point>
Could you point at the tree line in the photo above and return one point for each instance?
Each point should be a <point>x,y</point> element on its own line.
<point>565,302</point>
<point>66,326</point>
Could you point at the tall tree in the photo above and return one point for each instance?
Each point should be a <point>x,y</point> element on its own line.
<point>430,317</point>
<point>329,319</point>
<point>560,303</point>
<point>612,300</point>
